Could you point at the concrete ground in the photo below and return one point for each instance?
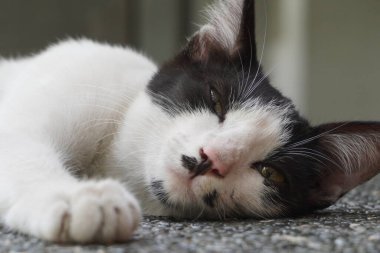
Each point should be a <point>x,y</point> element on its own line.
<point>352,225</point>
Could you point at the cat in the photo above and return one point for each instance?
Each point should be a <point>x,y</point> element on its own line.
<point>94,135</point>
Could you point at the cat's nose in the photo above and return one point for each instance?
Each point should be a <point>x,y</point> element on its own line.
<point>219,166</point>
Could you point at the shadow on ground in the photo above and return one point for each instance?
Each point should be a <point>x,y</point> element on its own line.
<point>352,225</point>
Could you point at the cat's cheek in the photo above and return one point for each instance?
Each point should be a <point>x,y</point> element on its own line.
<point>245,191</point>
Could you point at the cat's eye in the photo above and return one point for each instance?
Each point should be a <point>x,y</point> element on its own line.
<point>271,174</point>
<point>216,102</point>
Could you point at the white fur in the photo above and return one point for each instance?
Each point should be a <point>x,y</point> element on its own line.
<point>224,22</point>
<point>57,113</point>
<point>80,108</point>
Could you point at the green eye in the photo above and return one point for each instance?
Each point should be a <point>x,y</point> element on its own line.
<point>272,175</point>
<point>217,105</point>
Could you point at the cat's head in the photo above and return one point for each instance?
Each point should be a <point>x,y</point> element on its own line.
<point>225,143</point>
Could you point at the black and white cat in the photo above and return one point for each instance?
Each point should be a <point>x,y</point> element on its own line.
<point>88,131</point>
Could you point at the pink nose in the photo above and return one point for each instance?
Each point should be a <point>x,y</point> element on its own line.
<point>220,167</point>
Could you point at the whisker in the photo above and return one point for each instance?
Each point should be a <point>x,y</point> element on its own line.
<point>250,59</point>
<point>264,41</point>
<point>240,87</point>
<point>256,85</point>
<point>110,92</point>
<point>105,108</point>
<point>316,136</point>
<point>199,215</point>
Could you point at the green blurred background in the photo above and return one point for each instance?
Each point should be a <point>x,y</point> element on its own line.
<point>326,53</point>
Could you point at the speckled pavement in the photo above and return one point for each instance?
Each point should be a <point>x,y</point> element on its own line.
<point>352,225</point>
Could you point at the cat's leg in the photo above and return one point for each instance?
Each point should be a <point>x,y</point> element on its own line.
<point>38,196</point>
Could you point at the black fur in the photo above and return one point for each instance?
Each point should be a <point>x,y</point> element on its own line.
<point>210,198</point>
<point>186,84</point>
<point>189,162</point>
<point>158,190</point>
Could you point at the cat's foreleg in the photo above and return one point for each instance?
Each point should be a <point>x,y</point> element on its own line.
<point>38,196</point>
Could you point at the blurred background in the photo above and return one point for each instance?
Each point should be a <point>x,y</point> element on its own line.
<point>324,54</point>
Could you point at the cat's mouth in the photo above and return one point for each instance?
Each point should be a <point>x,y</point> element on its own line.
<point>189,184</point>
<point>197,193</point>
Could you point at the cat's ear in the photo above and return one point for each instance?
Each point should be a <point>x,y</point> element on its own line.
<point>230,30</point>
<point>352,157</point>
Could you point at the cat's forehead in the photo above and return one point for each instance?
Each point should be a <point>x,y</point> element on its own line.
<point>187,84</point>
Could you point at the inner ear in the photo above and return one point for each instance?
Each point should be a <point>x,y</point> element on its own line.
<point>350,155</point>
<point>230,29</point>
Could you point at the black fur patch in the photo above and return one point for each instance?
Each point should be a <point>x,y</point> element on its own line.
<point>210,198</point>
<point>159,192</point>
<point>184,85</point>
<point>202,168</point>
<point>189,162</point>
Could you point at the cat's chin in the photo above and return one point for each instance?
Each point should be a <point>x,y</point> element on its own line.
<point>185,190</point>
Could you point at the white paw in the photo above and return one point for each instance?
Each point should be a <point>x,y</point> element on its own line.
<point>102,212</point>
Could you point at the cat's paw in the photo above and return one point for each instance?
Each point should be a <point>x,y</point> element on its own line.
<point>102,212</point>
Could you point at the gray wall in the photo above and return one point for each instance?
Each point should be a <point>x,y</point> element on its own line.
<point>344,56</point>
<point>156,27</point>
<point>27,26</point>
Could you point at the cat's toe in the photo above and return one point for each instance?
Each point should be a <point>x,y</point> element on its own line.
<point>86,216</point>
<point>103,212</point>
<point>53,224</point>
<point>121,213</point>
